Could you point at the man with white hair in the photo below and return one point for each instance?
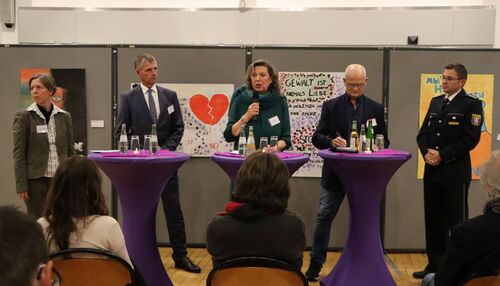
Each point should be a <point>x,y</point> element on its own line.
<point>474,245</point>
<point>334,128</point>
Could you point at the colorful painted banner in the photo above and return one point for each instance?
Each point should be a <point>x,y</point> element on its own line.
<point>478,85</point>
<point>306,92</point>
<point>204,110</point>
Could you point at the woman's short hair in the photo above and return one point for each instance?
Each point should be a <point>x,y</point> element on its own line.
<point>46,80</point>
<point>262,181</point>
<point>490,175</point>
<point>75,193</point>
<point>275,84</point>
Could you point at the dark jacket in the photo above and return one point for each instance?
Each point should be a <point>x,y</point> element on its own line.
<point>134,112</point>
<point>334,118</point>
<point>474,246</point>
<point>279,236</point>
<point>31,148</point>
<point>453,130</point>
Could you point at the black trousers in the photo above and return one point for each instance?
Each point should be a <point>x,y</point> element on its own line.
<point>174,217</point>
<point>445,205</point>
<point>38,190</point>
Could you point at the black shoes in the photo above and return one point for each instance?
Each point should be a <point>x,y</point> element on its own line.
<point>186,264</point>
<point>312,273</point>
<point>421,274</point>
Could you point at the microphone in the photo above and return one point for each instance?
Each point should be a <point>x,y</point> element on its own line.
<point>255,96</point>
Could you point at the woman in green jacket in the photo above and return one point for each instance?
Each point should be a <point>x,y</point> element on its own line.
<point>259,103</point>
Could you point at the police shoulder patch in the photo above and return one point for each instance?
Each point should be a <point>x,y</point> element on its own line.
<point>476,119</point>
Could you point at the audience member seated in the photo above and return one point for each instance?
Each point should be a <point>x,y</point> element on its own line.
<point>23,251</point>
<point>474,245</point>
<point>257,222</point>
<point>76,214</point>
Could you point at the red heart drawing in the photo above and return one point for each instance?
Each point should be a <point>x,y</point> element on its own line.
<point>209,112</point>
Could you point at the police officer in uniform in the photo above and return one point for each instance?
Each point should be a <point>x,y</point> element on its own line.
<point>451,128</point>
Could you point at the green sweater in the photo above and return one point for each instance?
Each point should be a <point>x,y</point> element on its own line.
<point>273,118</point>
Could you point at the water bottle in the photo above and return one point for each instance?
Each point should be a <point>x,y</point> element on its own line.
<point>242,142</point>
<point>250,141</point>
<point>154,140</point>
<point>123,143</point>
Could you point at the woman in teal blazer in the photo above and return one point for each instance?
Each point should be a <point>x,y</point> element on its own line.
<point>259,104</point>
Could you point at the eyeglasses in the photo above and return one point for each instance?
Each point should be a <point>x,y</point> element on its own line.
<point>355,85</point>
<point>449,78</point>
<point>56,276</point>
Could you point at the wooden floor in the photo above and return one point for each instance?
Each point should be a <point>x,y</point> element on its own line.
<point>402,265</point>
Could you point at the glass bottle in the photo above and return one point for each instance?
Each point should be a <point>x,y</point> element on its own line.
<point>362,139</point>
<point>242,142</point>
<point>370,136</point>
<point>154,140</point>
<point>250,141</point>
<point>123,143</point>
<point>353,138</point>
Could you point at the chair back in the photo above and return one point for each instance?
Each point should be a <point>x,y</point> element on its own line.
<point>250,271</point>
<point>91,267</point>
<point>484,279</point>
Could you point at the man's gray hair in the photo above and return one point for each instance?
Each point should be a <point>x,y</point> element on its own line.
<point>490,175</point>
<point>140,59</point>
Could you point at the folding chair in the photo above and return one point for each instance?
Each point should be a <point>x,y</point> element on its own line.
<point>91,267</point>
<point>251,271</point>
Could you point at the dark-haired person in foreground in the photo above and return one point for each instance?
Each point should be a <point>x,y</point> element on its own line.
<point>474,245</point>
<point>451,128</point>
<point>257,222</point>
<point>23,251</point>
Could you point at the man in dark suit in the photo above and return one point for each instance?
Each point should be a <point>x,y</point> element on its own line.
<point>334,128</point>
<point>140,108</point>
<point>474,245</point>
<point>451,128</point>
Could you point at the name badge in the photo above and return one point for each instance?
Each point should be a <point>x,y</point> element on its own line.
<point>453,123</point>
<point>274,120</point>
<point>170,109</point>
<point>374,122</point>
<point>42,129</point>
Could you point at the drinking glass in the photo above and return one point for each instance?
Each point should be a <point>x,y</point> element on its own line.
<point>146,149</point>
<point>263,144</point>
<point>134,144</point>
<point>379,141</point>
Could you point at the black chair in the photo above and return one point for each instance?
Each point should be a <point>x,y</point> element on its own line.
<point>250,271</point>
<point>92,267</point>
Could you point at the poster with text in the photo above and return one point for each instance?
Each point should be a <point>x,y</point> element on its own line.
<point>71,95</point>
<point>204,110</point>
<point>306,92</point>
<point>477,85</point>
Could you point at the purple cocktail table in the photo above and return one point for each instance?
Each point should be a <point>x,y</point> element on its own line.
<point>365,177</point>
<point>231,162</point>
<point>139,182</point>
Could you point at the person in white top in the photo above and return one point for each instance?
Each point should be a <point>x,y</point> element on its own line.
<point>76,214</point>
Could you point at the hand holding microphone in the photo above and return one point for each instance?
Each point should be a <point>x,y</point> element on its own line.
<point>253,109</point>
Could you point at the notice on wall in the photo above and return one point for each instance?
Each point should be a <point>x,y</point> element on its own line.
<point>306,92</point>
<point>477,85</point>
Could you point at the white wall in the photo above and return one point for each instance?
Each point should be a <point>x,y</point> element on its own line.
<point>10,36</point>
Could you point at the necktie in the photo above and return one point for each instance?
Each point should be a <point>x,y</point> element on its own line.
<point>152,105</point>
<point>446,101</point>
